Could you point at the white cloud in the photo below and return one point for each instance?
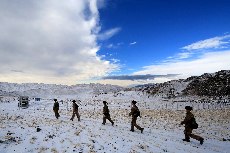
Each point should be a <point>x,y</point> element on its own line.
<point>114,46</point>
<point>207,63</point>
<point>126,83</point>
<point>200,47</point>
<point>109,33</point>
<point>183,55</point>
<point>133,43</point>
<point>216,42</point>
<point>50,41</point>
<point>179,56</point>
<point>110,46</point>
<point>115,60</point>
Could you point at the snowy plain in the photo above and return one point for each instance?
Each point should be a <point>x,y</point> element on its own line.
<point>162,133</point>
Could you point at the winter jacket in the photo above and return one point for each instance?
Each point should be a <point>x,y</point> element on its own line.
<point>134,111</point>
<point>56,106</point>
<point>75,107</point>
<point>105,110</point>
<point>188,118</point>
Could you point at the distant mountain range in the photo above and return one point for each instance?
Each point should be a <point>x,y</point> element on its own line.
<point>44,90</point>
<point>208,84</point>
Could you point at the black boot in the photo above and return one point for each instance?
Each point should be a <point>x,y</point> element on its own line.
<point>187,140</point>
<point>142,129</point>
<point>201,141</point>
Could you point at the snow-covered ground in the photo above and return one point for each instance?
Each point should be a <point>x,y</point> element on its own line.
<point>162,133</point>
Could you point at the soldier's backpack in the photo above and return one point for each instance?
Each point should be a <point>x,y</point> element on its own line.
<point>76,106</point>
<point>137,113</point>
<point>194,125</point>
<point>56,105</point>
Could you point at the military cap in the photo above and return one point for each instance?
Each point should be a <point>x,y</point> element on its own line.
<point>188,107</point>
<point>134,102</point>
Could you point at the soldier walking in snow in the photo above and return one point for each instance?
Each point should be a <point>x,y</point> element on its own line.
<point>135,113</point>
<point>75,111</point>
<point>106,114</point>
<point>56,108</point>
<point>188,126</point>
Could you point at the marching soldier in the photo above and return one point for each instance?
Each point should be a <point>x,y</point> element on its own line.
<point>106,114</point>
<point>188,129</point>
<point>135,113</point>
<point>56,108</point>
<point>75,111</point>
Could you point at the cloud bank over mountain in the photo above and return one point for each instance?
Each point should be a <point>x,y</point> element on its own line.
<point>50,41</point>
<point>139,77</point>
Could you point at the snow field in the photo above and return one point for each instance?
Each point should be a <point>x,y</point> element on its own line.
<point>162,131</point>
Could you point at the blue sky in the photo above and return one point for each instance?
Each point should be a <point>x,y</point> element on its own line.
<point>160,28</point>
<point>152,31</point>
<point>121,42</point>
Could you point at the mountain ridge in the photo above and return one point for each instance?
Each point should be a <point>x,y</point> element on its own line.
<point>207,84</point>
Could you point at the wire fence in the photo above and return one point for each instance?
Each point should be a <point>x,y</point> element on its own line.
<point>195,105</point>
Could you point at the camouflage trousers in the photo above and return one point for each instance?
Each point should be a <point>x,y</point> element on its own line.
<point>56,113</point>
<point>133,123</point>
<point>188,134</point>
<point>108,118</point>
<point>77,114</point>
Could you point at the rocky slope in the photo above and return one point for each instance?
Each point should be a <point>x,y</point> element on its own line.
<point>208,84</point>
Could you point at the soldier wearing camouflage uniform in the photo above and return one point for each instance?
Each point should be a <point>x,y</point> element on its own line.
<point>75,111</point>
<point>56,108</point>
<point>188,128</point>
<point>135,113</point>
<point>106,114</point>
